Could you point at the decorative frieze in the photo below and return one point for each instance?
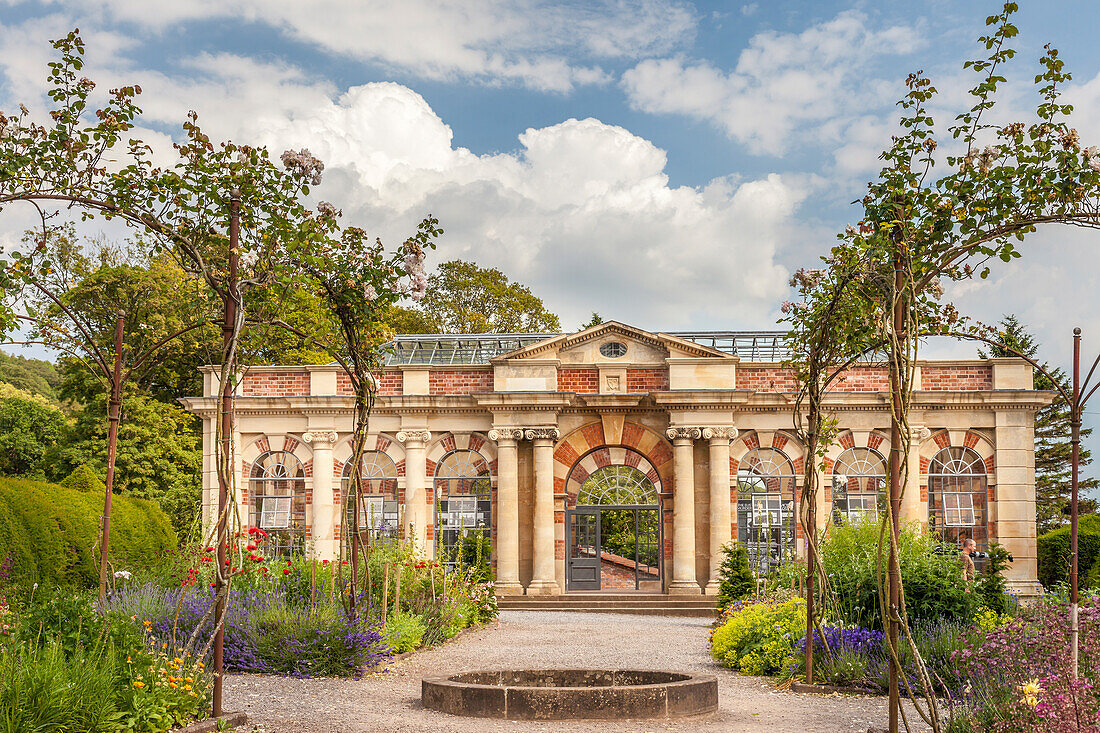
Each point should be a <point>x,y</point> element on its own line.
<point>413,436</point>
<point>320,437</point>
<point>682,433</point>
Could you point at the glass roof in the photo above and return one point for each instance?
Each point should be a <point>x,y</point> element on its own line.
<point>479,348</point>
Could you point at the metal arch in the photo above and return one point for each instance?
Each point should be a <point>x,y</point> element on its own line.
<point>954,461</point>
<point>609,481</point>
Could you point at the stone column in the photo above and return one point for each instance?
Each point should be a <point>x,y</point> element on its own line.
<point>543,581</point>
<point>720,532</point>
<point>683,512</point>
<point>912,508</point>
<point>323,525</point>
<point>414,521</point>
<point>507,518</point>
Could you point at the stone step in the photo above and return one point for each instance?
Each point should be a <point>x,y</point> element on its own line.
<point>646,611</point>
<point>603,602</point>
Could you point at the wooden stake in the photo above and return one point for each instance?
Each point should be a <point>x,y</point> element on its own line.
<point>397,593</point>
<point>386,592</point>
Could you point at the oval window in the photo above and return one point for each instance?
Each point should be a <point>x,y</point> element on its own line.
<point>613,349</point>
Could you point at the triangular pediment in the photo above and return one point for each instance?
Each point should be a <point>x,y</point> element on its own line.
<point>593,346</point>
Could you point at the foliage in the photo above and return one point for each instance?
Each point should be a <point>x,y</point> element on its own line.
<point>735,579</point>
<point>1019,674</point>
<point>36,376</point>
<point>66,667</point>
<point>990,583</point>
<point>51,533</point>
<point>1052,433</point>
<point>465,298</point>
<point>595,320</point>
<point>27,431</point>
<point>758,638</point>
<point>317,641</point>
<point>404,632</point>
<point>159,455</point>
<point>1054,556</point>
<point>474,552</point>
<point>930,573</point>
<point>83,479</point>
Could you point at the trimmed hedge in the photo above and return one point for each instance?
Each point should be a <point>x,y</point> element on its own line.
<point>51,533</point>
<point>1053,551</point>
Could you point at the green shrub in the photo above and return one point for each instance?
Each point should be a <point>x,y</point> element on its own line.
<point>990,583</point>
<point>404,632</point>
<point>474,550</point>
<point>759,638</point>
<point>735,579</point>
<point>930,572</point>
<point>83,479</point>
<point>1053,552</point>
<point>51,533</point>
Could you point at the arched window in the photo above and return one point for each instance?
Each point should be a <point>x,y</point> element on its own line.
<point>765,507</point>
<point>463,500</point>
<point>859,484</point>
<point>957,496</point>
<point>378,517</point>
<point>617,485</point>
<point>277,490</point>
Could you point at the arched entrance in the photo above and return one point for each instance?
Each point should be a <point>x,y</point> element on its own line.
<point>613,531</point>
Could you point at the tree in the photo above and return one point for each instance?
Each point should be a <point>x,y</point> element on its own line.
<point>465,298</point>
<point>595,320</point>
<point>918,229</point>
<point>28,429</point>
<point>33,375</point>
<point>1052,447</point>
<point>159,455</point>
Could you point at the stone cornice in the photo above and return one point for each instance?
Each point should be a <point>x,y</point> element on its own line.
<point>612,402</point>
<point>523,400</point>
<point>702,399</point>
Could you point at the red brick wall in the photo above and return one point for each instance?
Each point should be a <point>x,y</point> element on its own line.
<point>275,384</point>
<point>584,381</point>
<point>646,380</point>
<point>765,379</point>
<point>460,382</point>
<point>391,383</point>
<point>956,378</point>
<point>862,379</point>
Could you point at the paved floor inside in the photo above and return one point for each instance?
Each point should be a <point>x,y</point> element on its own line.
<point>531,639</point>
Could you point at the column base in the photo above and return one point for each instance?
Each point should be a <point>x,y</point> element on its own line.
<point>711,588</point>
<point>508,588</point>
<point>543,588</point>
<point>684,588</point>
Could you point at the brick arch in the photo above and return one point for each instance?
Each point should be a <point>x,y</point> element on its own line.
<point>779,439</point>
<point>590,436</point>
<point>291,443</point>
<point>876,440</point>
<point>447,442</point>
<point>972,439</point>
<point>381,442</point>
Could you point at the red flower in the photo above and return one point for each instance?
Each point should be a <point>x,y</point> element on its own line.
<point>324,562</point>
<point>250,547</point>
<point>213,585</point>
<point>345,562</point>
<point>286,571</point>
<point>209,549</point>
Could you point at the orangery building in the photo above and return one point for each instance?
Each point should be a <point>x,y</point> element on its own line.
<point>616,458</point>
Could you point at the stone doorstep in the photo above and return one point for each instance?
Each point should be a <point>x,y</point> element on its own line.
<point>234,720</point>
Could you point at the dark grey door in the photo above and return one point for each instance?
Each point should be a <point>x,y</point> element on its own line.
<point>583,560</point>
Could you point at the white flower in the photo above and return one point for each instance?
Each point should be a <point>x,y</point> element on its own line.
<point>124,574</point>
<point>369,292</point>
<point>1094,163</point>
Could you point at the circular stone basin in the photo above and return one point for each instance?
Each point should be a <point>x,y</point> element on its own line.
<point>572,694</point>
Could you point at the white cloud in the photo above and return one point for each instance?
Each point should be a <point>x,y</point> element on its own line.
<point>583,211</point>
<point>532,42</point>
<point>783,83</point>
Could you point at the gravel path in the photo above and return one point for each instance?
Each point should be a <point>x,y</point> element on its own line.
<point>530,639</point>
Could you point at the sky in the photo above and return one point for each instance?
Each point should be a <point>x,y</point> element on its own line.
<point>663,162</point>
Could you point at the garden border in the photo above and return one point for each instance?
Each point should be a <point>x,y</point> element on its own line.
<point>235,720</point>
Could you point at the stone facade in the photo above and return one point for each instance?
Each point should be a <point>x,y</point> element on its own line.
<point>515,443</point>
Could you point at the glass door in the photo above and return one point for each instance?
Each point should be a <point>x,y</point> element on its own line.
<point>583,560</point>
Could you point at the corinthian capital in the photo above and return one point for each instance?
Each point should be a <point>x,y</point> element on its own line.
<point>413,436</point>
<point>497,434</point>
<point>727,433</point>
<point>320,437</point>
<point>542,434</point>
<point>682,433</point>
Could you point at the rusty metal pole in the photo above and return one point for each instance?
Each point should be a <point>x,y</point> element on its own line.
<point>114,407</point>
<point>226,438</point>
<point>1075,460</point>
<point>893,571</point>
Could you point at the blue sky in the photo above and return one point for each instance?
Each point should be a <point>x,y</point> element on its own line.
<point>662,162</point>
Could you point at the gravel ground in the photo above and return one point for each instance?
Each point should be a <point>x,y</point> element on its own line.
<point>390,701</point>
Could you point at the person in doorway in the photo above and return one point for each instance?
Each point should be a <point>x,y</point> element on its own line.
<point>966,557</point>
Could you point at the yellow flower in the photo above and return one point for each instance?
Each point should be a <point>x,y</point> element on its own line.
<point>139,683</point>
<point>1030,691</point>
<point>187,687</point>
<point>173,684</point>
